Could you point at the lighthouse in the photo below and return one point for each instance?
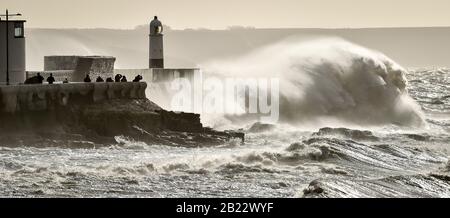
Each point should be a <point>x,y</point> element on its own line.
<point>156,54</point>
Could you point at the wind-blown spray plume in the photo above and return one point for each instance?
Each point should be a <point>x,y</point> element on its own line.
<point>329,80</point>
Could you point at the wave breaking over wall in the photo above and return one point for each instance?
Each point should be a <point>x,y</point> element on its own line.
<point>328,81</point>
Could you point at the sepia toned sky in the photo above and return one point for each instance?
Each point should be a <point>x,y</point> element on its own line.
<point>220,14</point>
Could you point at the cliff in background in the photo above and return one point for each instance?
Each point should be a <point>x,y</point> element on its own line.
<point>89,114</point>
<point>411,47</point>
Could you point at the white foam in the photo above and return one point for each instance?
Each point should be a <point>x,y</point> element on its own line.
<point>328,81</point>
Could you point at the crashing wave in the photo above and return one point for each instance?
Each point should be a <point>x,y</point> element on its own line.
<point>329,81</point>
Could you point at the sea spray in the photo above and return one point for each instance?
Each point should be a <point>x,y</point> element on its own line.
<point>325,81</point>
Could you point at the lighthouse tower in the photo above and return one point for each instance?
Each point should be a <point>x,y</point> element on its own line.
<point>156,55</point>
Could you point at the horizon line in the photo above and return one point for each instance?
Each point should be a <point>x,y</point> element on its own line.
<point>242,28</point>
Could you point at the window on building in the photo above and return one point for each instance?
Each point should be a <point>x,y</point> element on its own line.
<point>18,30</point>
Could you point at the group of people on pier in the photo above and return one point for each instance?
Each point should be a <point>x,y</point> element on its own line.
<point>118,78</point>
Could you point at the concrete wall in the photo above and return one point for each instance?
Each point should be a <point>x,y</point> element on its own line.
<point>16,55</point>
<point>60,62</point>
<point>16,98</point>
<point>95,66</point>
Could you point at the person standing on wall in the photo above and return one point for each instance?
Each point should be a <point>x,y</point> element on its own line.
<point>39,78</point>
<point>99,79</point>
<point>118,77</point>
<point>51,79</point>
<point>87,79</point>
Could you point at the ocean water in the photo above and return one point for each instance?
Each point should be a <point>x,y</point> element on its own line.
<point>403,152</point>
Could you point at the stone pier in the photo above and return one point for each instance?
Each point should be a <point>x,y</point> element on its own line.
<point>61,114</point>
<point>15,98</point>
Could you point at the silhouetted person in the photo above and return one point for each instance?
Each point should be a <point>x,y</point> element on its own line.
<point>117,78</point>
<point>138,78</point>
<point>66,80</point>
<point>124,79</point>
<point>87,79</point>
<point>51,79</point>
<point>40,78</point>
<point>35,79</point>
<point>108,80</point>
<point>99,79</point>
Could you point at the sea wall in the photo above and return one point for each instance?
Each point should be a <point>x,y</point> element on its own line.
<point>41,96</point>
<point>95,66</point>
<point>58,114</point>
<point>60,62</point>
<point>75,68</point>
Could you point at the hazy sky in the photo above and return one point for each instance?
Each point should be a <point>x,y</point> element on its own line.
<point>219,14</point>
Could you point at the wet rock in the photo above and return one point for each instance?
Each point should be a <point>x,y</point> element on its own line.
<point>38,192</point>
<point>283,184</point>
<point>259,127</point>
<point>418,137</point>
<point>132,181</point>
<point>333,170</point>
<point>237,168</point>
<point>315,187</point>
<point>348,133</point>
<point>443,177</point>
